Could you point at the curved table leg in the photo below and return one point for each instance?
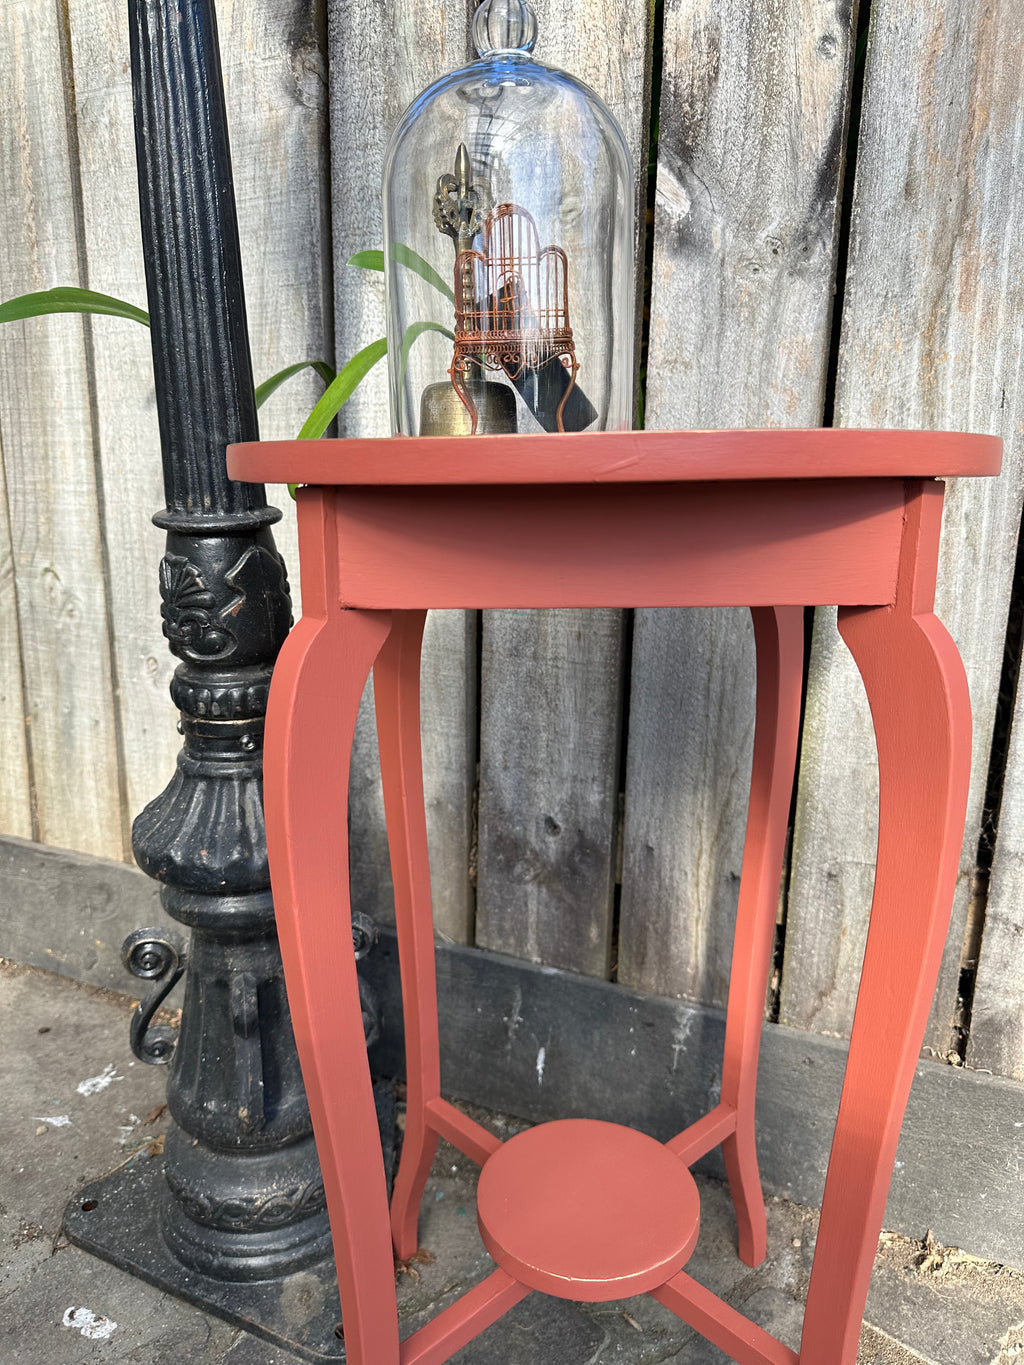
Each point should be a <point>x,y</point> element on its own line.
<point>779,641</point>
<point>314,700</point>
<point>396,685</point>
<point>917,689</point>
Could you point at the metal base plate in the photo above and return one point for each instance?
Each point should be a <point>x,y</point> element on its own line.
<point>118,1219</point>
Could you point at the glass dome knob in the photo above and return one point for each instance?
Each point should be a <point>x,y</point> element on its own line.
<point>504,26</point>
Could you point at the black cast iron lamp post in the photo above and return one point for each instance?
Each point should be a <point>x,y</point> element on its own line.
<point>234,1218</point>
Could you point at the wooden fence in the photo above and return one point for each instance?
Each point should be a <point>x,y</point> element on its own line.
<point>587,772</point>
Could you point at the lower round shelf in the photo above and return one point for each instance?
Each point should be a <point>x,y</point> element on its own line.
<point>587,1210</point>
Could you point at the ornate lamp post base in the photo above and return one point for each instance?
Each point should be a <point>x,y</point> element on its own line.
<point>120,1219</point>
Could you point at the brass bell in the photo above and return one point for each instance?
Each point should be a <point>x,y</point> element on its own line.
<point>443,413</point>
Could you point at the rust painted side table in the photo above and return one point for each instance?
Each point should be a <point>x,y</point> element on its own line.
<point>772,520</point>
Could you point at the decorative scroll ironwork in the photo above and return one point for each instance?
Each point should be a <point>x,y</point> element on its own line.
<point>154,955</point>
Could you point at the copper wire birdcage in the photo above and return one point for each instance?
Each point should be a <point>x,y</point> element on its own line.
<point>511,306</point>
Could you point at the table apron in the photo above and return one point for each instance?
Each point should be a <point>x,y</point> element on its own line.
<point>766,543</point>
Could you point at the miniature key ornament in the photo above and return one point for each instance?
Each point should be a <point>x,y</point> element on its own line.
<point>508,227</point>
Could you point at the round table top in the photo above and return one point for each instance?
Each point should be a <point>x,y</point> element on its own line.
<point>587,1210</point>
<point>618,457</point>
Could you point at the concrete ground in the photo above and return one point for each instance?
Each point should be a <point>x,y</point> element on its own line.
<point>76,1105</point>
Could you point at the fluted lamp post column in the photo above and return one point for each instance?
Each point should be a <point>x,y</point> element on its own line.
<point>237,1204</point>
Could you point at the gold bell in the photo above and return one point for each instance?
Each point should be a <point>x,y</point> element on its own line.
<point>443,413</point>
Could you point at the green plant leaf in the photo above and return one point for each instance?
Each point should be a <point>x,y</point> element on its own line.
<point>368,260</point>
<point>67,299</point>
<point>416,330</point>
<point>405,255</point>
<point>412,260</point>
<point>275,381</point>
<point>339,391</point>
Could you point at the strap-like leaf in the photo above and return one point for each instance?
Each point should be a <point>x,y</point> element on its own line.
<point>368,260</point>
<point>339,392</point>
<point>416,330</point>
<point>404,255</point>
<point>275,381</point>
<point>341,389</point>
<point>68,299</point>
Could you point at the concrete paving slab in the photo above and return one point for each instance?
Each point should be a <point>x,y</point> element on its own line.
<point>879,1348</point>
<point>75,1310</point>
<point>76,1105</point>
<point>947,1305</point>
<point>76,1102</point>
<point>773,1309</point>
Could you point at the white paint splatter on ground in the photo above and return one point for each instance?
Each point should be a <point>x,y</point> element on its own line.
<point>90,1324</point>
<point>541,1059</point>
<point>94,1084</point>
<point>58,1120</point>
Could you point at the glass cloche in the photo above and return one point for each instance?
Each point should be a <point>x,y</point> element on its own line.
<point>508,235</point>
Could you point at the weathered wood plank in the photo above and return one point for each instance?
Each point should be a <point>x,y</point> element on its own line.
<point>48,453</point>
<point>448,677</point>
<point>275,77</point>
<point>15,777</point>
<point>549,783</point>
<point>931,338</point>
<point>753,112</point>
<point>551,693</point>
<point>686,800</point>
<point>997,1019</point>
<point>997,1024</point>
<point>274,56</point>
<point>124,416</point>
<point>550,720</point>
<point>371,83</point>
